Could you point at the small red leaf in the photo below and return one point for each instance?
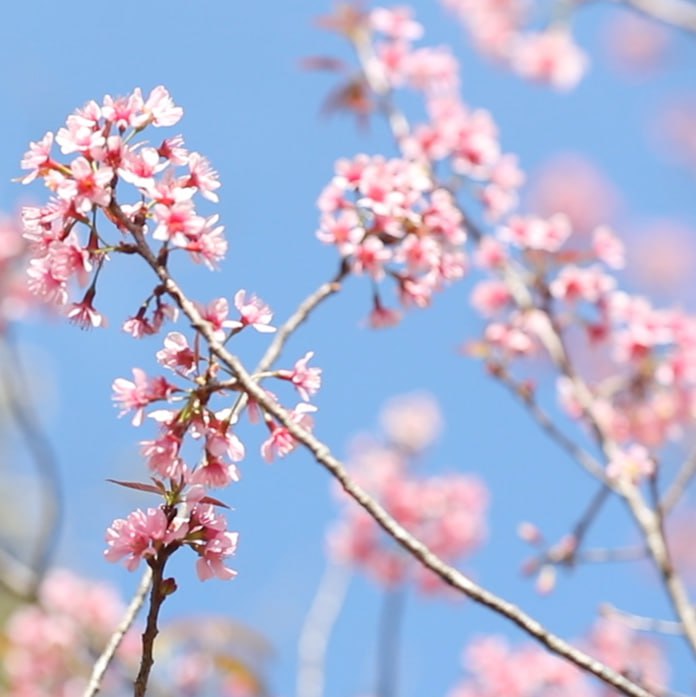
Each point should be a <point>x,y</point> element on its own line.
<point>139,486</point>
<point>214,501</point>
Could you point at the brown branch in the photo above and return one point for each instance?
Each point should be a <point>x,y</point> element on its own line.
<point>551,337</point>
<point>676,13</point>
<point>158,594</point>
<point>577,453</point>
<point>109,652</point>
<point>323,456</point>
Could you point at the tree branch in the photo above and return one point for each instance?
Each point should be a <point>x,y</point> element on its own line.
<point>316,630</point>
<point>323,455</point>
<point>109,652</point>
<point>676,13</point>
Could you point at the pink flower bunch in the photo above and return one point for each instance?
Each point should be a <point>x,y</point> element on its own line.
<point>387,218</point>
<point>641,370</point>
<point>446,512</point>
<point>50,646</point>
<point>187,411</point>
<point>430,70</point>
<point>498,30</point>
<point>101,143</point>
<point>496,669</point>
<point>467,139</point>
<point>571,272</point>
<point>145,535</point>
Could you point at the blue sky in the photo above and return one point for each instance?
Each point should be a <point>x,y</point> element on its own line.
<point>250,108</point>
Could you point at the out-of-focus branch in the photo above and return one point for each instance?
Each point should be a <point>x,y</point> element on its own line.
<point>678,486</point>
<point>551,337</point>
<point>677,13</point>
<point>323,456</point>
<point>301,314</point>
<point>641,623</point>
<point>389,638</point>
<point>317,628</point>
<point>26,418</point>
<point>16,577</point>
<point>126,623</point>
<point>612,554</point>
<point>526,396</point>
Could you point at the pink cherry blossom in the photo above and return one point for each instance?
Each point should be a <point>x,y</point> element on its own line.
<point>209,538</point>
<point>413,421</point>
<point>85,315</point>
<point>163,455</point>
<point>202,177</point>
<point>216,313</point>
<point>140,536</point>
<point>538,234</point>
<point>396,22</point>
<point>254,313</point>
<point>87,187</point>
<point>550,57</point>
<point>281,442</point>
<point>37,158</point>
<point>176,354</point>
<point>161,109</point>
<point>139,393</point>
<point>306,380</point>
<point>632,465</point>
<point>214,472</point>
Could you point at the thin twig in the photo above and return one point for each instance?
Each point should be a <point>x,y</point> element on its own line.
<point>301,314</point>
<point>678,486</point>
<point>323,456</point>
<point>576,452</point>
<point>126,623</point>
<point>317,628</point>
<point>640,622</point>
<point>389,637</point>
<point>551,338</point>
<point>617,554</point>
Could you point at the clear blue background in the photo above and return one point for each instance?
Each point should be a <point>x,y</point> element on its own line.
<point>235,68</point>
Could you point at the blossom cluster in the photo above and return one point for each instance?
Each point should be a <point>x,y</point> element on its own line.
<point>393,217</point>
<point>641,378</point>
<point>446,512</point>
<point>387,218</point>
<point>496,669</point>
<point>157,218</point>
<point>499,30</point>
<point>185,412</point>
<point>103,153</point>
<point>50,646</point>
